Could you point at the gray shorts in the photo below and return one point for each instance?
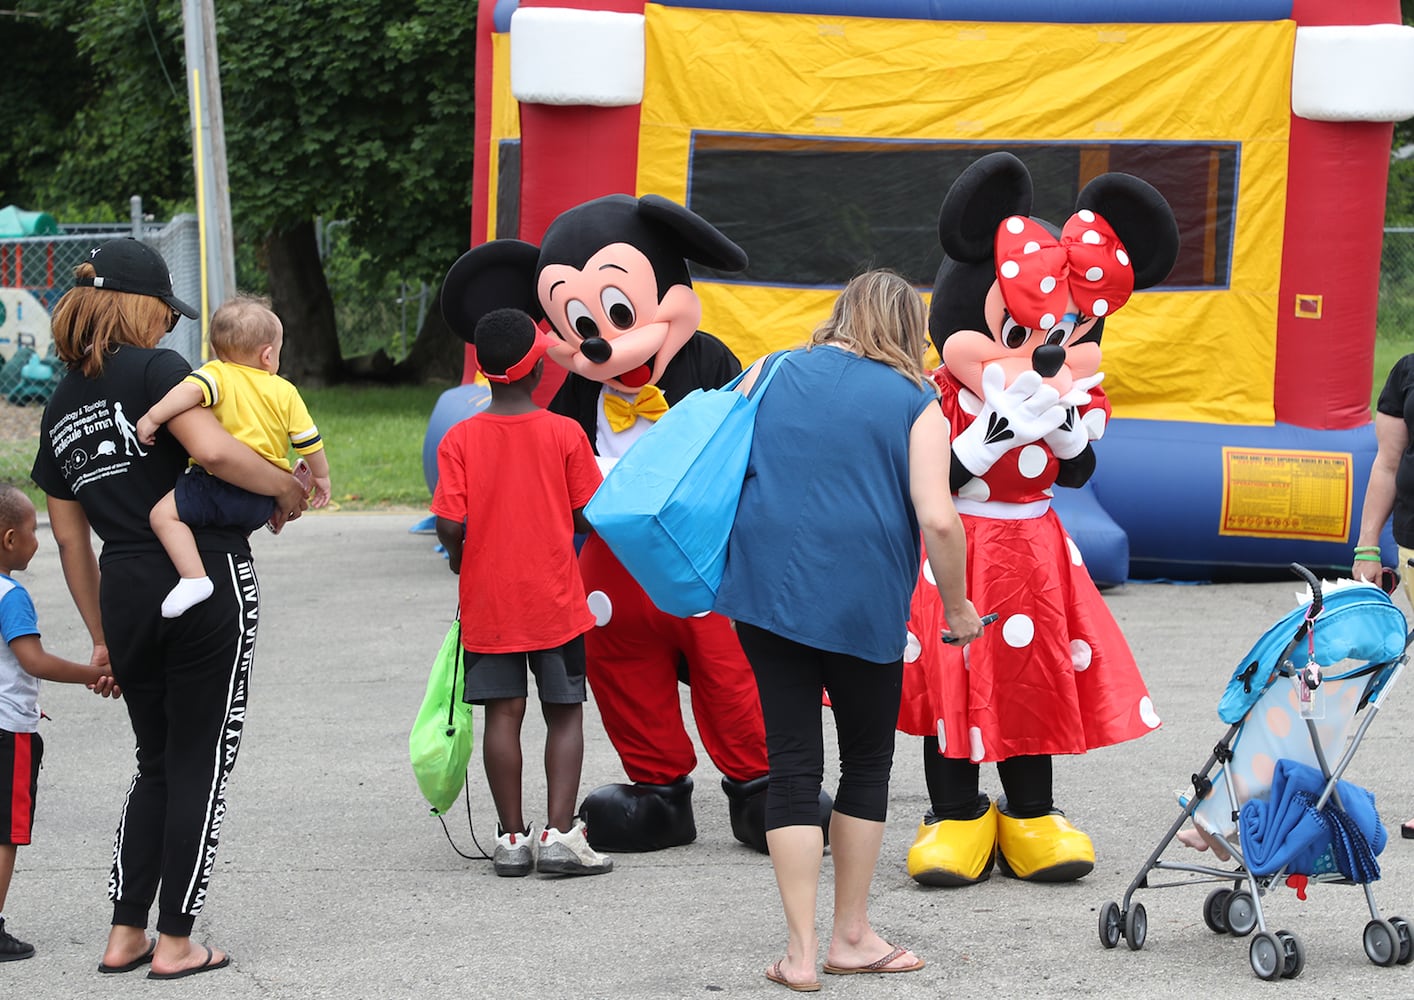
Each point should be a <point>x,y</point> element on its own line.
<point>559,674</point>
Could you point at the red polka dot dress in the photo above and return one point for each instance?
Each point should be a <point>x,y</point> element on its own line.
<point>1054,675</point>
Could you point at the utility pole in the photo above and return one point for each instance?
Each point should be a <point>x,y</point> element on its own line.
<point>213,201</point>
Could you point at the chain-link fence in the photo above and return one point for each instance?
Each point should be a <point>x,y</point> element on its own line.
<point>36,271</point>
<point>1396,317</point>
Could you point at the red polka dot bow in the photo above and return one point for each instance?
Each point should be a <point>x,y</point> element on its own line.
<point>1040,275</point>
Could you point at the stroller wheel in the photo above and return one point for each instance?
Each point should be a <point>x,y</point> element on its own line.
<point>1295,955</point>
<point>1406,947</point>
<point>1109,924</point>
<point>1267,955</point>
<point>1213,909</point>
<point>1381,942</point>
<point>1240,914</point>
<point>1136,927</point>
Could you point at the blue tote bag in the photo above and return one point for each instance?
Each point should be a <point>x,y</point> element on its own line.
<point>666,509</point>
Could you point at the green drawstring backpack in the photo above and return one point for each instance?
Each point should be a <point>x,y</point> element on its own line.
<point>441,738</point>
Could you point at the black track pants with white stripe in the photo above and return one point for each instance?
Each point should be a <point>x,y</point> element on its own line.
<point>185,683</point>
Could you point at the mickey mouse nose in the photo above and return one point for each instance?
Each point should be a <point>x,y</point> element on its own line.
<point>599,350</point>
<point>1047,359</point>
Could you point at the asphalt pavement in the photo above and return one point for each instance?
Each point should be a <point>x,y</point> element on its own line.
<point>333,881</point>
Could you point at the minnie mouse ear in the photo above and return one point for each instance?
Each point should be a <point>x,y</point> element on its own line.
<point>495,275</point>
<point>1141,218</point>
<point>992,188</point>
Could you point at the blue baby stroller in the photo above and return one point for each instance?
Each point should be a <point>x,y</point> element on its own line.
<point>1271,797</point>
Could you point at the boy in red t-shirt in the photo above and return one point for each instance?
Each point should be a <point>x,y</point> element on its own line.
<point>512,482</point>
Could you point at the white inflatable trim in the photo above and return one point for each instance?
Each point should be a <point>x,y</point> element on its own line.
<point>571,57</point>
<point>1353,73</point>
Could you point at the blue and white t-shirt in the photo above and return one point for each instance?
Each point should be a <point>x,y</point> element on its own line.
<point>19,691</point>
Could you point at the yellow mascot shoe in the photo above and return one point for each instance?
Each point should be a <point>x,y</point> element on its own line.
<point>954,852</point>
<point>1045,849</point>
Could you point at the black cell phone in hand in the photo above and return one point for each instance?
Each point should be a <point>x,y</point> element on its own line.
<point>951,640</point>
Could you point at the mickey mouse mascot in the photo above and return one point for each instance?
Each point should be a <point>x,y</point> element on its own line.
<point>611,281</point>
<point>1017,312</point>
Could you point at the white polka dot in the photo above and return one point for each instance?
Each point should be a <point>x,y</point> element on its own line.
<point>1147,713</point>
<point>969,402</point>
<point>600,607</point>
<point>1074,550</point>
<point>911,649</point>
<point>1099,307</point>
<point>702,614</point>
<point>1009,269</point>
<point>1031,461</point>
<point>1080,654</point>
<point>1094,421</point>
<point>1090,236</point>
<point>1094,274</point>
<point>1015,225</point>
<point>1048,321</point>
<point>928,574</point>
<point>1018,631</point>
<point>1031,247</point>
<point>1122,257</point>
<point>1086,215</point>
<point>1048,284</point>
<point>942,737</point>
<point>974,736</point>
<point>975,489</point>
<point>1048,492</point>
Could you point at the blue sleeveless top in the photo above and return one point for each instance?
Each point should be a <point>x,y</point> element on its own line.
<point>825,547</point>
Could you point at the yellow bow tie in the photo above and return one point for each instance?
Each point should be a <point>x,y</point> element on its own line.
<point>649,404</point>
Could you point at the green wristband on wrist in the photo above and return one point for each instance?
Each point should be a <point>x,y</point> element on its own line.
<point>1367,548</point>
<point>1365,557</point>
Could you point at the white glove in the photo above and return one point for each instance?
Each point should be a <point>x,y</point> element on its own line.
<point>1072,436</point>
<point>1011,415</point>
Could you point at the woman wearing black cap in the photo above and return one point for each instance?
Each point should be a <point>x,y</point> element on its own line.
<point>185,679</point>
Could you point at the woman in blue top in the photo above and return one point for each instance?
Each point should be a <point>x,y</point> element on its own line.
<point>848,465</point>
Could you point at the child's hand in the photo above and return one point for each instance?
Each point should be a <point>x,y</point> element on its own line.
<point>147,429</point>
<point>322,492</point>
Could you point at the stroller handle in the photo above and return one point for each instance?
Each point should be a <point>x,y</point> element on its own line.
<point>1313,583</point>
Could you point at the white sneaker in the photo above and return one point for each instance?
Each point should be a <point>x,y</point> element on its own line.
<point>512,857</point>
<point>569,853</point>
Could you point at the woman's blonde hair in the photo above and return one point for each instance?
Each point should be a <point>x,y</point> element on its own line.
<point>89,323</point>
<point>881,316</point>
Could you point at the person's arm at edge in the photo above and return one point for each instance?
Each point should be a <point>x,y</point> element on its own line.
<point>38,662</point>
<point>451,534</point>
<point>180,398</point>
<point>1392,438</point>
<point>929,461</point>
<point>220,454</point>
<point>69,525</point>
<point>318,462</point>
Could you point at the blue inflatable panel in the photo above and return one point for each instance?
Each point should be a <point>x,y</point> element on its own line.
<point>1102,543</point>
<point>1162,483</point>
<point>1038,11</point>
<point>453,406</point>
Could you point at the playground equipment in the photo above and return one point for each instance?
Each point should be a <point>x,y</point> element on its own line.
<point>820,135</point>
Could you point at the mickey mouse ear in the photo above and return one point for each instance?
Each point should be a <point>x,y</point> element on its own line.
<point>495,275</point>
<point>992,188</point>
<point>697,238</point>
<point>1142,219</point>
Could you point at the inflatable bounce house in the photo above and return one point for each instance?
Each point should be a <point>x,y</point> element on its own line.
<point>821,135</point>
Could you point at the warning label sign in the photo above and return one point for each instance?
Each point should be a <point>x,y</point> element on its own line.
<point>1286,494</point>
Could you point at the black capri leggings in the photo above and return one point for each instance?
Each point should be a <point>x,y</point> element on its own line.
<point>864,697</point>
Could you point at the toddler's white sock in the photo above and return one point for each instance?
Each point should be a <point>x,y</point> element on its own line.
<point>189,591</point>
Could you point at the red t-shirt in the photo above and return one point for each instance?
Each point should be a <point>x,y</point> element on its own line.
<point>515,481</point>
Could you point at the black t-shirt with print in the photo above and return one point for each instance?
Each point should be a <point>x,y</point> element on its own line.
<point>1397,400</point>
<point>89,451</point>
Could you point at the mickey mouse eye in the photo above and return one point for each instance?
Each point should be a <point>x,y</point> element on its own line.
<point>1013,333</point>
<point>1061,333</point>
<point>581,319</point>
<point>617,307</point>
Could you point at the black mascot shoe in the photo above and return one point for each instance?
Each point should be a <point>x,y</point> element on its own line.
<point>639,817</point>
<point>746,804</point>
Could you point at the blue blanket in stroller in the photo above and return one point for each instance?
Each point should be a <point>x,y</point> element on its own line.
<point>1286,831</point>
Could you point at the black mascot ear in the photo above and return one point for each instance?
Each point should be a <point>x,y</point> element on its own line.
<point>695,237</point>
<point>1141,218</point>
<point>495,275</point>
<point>991,189</point>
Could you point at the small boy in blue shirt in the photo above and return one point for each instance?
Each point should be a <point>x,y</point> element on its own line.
<point>23,664</point>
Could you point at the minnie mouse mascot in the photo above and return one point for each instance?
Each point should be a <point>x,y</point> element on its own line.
<point>611,280</point>
<point>1017,312</point>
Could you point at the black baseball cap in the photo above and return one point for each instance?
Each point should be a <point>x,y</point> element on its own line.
<point>128,265</point>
